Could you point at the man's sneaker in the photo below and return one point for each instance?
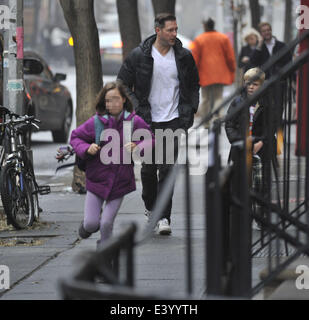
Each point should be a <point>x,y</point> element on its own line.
<point>82,231</point>
<point>147,214</point>
<point>164,227</point>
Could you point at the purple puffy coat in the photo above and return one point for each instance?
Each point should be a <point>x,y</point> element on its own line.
<point>108,181</point>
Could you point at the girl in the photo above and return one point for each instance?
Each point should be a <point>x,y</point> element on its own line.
<point>107,182</point>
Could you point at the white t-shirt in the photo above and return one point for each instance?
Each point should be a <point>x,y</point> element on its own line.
<point>164,91</point>
<point>270,46</point>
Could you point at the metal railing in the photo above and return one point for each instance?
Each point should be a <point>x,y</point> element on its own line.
<point>284,226</point>
<point>231,244</point>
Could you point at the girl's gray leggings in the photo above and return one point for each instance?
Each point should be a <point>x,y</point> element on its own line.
<point>93,219</point>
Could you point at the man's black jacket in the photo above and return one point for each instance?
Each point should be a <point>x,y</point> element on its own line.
<point>136,73</point>
<point>260,56</point>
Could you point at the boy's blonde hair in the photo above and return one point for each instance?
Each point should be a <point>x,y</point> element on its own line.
<point>255,74</point>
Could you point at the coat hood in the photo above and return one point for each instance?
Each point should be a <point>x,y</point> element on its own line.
<point>126,116</point>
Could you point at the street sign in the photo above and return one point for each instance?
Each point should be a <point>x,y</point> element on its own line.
<point>15,85</point>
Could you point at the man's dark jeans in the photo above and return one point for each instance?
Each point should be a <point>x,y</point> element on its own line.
<point>152,184</point>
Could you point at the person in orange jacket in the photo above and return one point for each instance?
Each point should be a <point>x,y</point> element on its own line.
<point>214,57</point>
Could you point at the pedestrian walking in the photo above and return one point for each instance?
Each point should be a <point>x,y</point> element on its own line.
<point>257,124</point>
<point>215,60</point>
<point>107,183</point>
<point>163,82</point>
<point>268,46</point>
<point>252,38</point>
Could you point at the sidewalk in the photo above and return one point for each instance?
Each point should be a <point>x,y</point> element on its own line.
<point>38,258</point>
<point>35,268</point>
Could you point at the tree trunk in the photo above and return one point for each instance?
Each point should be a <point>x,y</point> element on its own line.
<point>255,13</point>
<point>161,6</point>
<point>288,21</point>
<point>128,25</point>
<point>79,15</point>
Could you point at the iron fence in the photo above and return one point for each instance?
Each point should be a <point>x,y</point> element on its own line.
<point>231,243</point>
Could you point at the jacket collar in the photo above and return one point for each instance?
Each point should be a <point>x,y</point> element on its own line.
<point>103,118</point>
<point>147,44</point>
<point>126,115</point>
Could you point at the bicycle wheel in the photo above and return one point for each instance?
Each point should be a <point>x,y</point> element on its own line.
<point>16,197</point>
<point>35,200</point>
<point>28,167</point>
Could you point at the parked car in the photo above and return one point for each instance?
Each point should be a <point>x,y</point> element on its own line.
<point>111,52</point>
<point>48,100</point>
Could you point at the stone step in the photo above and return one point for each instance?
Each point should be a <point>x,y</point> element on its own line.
<point>288,291</point>
<point>286,278</point>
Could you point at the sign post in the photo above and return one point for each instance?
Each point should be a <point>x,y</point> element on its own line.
<point>13,56</point>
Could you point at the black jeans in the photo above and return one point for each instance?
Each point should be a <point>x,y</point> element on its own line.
<point>152,183</point>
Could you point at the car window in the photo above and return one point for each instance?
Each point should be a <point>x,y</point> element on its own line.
<point>46,73</point>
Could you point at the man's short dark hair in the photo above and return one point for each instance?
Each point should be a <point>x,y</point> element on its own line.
<point>161,18</point>
<point>263,24</point>
<point>209,24</point>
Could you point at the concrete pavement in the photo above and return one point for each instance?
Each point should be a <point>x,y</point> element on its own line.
<point>35,268</point>
<point>39,257</point>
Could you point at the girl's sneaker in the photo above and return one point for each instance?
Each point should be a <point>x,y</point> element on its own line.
<point>82,231</point>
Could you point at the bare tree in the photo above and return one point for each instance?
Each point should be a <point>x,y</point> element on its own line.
<point>255,13</point>
<point>288,21</point>
<point>160,6</point>
<point>128,25</point>
<point>79,15</point>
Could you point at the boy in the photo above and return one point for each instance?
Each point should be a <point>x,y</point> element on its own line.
<point>257,129</point>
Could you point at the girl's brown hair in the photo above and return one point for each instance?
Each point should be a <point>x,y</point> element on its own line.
<point>100,105</point>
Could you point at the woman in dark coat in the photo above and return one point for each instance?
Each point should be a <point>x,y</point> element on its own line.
<point>244,61</point>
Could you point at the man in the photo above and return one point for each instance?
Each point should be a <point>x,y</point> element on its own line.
<point>163,82</point>
<point>215,60</point>
<point>267,47</point>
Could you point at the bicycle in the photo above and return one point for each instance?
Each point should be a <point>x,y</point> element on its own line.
<point>18,186</point>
